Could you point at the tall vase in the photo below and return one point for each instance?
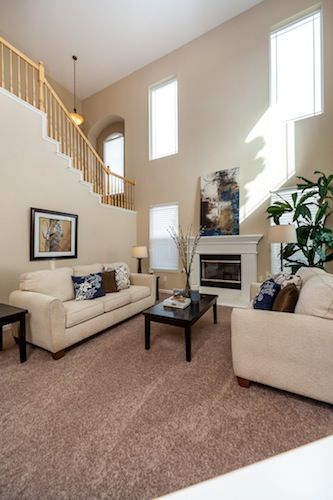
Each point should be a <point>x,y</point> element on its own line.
<point>187,289</point>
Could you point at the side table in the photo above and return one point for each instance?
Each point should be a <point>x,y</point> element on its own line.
<point>11,314</point>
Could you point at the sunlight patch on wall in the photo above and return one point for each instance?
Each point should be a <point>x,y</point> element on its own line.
<point>273,164</point>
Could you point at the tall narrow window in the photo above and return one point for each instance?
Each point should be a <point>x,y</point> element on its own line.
<point>113,151</point>
<point>296,69</point>
<point>163,253</point>
<point>163,119</point>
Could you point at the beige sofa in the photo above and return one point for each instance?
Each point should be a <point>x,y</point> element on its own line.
<point>293,352</point>
<point>57,321</point>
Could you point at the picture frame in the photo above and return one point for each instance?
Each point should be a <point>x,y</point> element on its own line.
<point>53,235</point>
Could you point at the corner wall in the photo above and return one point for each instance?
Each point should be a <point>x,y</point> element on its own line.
<point>33,174</point>
<point>224,121</point>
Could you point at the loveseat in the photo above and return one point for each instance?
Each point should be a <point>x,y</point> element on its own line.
<point>290,351</point>
<point>56,320</point>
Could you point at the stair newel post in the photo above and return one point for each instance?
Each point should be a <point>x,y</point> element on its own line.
<point>41,81</point>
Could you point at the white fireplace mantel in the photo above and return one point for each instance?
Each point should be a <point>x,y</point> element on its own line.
<point>245,245</point>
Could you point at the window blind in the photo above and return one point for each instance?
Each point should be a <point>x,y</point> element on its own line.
<point>163,252</point>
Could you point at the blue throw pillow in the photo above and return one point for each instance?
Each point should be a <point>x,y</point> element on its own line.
<point>88,287</point>
<point>266,296</point>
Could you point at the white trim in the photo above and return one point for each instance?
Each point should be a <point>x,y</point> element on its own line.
<point>298,17</point>
<point>164,204</point>
<point>113,136</point>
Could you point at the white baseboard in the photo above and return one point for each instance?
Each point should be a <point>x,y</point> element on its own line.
<point>164,290</point>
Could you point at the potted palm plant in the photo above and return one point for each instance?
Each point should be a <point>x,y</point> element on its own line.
<point>311,206</point>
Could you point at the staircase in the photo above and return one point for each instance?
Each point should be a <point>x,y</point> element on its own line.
<point>26,79</point>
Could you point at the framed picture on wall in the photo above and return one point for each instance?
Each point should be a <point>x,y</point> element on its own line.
<point>53,235</point>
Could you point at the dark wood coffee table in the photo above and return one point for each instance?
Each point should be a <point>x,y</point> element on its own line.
<point>180,317</point>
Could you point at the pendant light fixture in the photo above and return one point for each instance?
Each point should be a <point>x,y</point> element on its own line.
<point>76,117</point>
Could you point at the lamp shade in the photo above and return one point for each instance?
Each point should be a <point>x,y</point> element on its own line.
<point>282,233</point>
<point>139,252</point>
<point>77,118</point>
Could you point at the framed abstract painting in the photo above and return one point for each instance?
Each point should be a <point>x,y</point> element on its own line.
<point>219,196</point>
<point>53,235</point>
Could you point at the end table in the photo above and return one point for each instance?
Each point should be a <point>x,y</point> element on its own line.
<point>10,314</point>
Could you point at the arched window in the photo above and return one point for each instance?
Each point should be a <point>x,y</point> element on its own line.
<point>113,153</point>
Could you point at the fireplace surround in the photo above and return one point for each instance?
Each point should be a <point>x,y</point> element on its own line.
<point>233,281</point>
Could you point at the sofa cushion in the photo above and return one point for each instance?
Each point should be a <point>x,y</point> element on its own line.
<point>139,292</point>
<point>122,274</point>
<point>78,311</point>
<point>56,283</point>
<point>266,295</point>
<point>85,270</point>
<point>286,299</point>
<point>308,272</point>
<point>113,301</point>
<point>316,296</point>
<point>88,287</point>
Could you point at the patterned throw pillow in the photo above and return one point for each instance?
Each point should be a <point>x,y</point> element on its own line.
<point>266,295</point>
<point>284,279</point>
<point>122,274</point>
<point>88,287</point>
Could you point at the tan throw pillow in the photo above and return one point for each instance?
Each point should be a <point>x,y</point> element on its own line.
<point>109,281</point>
<point>122,274</point>
<point>286,299</point>
<point>316,296</point>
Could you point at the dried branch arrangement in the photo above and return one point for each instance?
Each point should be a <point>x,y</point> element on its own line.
<point>186,243</point>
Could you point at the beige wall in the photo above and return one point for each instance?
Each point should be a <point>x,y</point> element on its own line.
<point>33,175</point>
<point>65,95</point>
<point>224,121</point>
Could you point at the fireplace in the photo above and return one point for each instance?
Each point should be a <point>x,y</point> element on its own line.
<point>235,278</point>
<point>221,271</point>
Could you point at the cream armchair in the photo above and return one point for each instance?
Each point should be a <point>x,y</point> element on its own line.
<point>293,352</point>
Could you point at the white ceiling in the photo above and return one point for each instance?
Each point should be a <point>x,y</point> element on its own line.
<point>112,38</point>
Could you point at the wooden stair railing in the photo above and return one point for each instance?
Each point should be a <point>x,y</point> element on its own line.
<point>26,79</point>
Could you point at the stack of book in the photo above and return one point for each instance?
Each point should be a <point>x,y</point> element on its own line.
<point>176,302</point>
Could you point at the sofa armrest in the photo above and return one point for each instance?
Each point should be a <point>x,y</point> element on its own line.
<point>144,280</point>
<point>289,351</point>
<point>46,318</point>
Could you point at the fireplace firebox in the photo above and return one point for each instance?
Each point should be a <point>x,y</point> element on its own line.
<point>221,271</point>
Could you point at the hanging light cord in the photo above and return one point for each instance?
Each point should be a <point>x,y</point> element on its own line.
<point>74,59</point>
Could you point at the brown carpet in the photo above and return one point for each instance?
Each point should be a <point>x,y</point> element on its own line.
<point>113,421</point>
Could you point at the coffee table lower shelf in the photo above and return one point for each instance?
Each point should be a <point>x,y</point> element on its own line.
<point>184,318</point>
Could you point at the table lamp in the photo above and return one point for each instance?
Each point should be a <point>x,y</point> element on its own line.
<point>139,253</point>
<point>282,233</point>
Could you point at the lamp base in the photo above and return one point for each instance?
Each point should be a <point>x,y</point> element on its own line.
<point>139,264</point>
